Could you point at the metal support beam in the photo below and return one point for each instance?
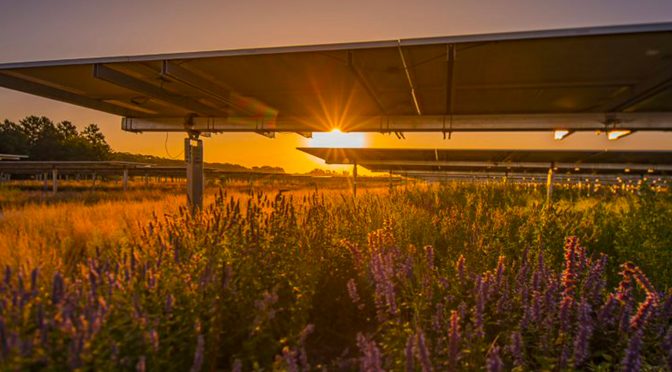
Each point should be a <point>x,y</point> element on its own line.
<point>54,180</point>
<point>266,134</point>
<point>647,88</point>
<point>24,85</point>
<point>193,156</point>
<point>115,77</point>
<point>386,165</point>
<point>124,180</point>
<point>206,86</point>
<point>364,82</point>
<point>354,179</point>
<point>549,185</point>
<point>416,103</point>
<point>404,123</point>
<point>450,81</point>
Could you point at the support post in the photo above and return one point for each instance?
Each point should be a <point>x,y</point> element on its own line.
<point>354,179</point>
<point>193,156</point>
<point>549,185</point>
<point>125,179</point>
<point>54,180</point>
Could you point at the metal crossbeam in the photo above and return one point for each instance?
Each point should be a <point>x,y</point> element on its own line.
<point>30,87</point>
<point>405,123</point>
<point>384,164</point>
<point>646,89</point>
<point>115,77</point>
<point>364,82</point>
<point>214,90</point>
<point>407,71</point>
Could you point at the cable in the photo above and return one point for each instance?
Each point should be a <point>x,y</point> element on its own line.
<point>165,146</point>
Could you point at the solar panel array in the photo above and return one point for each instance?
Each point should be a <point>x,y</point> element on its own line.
<point>582,79</point>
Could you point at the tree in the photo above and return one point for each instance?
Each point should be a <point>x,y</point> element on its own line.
<point>99,149</point>
<point>12,139</point>
<point>41,139</point>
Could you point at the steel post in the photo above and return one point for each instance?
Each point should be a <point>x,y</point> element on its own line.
<point>193,156</point>
<point>125,179</point>
<point>354,179</point>
<point>549,185</point>
<point>54,180</point>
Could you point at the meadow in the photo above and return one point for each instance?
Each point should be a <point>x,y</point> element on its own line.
<point>418,278</point>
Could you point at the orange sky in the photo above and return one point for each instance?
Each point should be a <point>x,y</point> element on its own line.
<point>38,30</point>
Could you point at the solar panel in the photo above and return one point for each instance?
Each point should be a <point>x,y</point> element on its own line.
<point>448,160</point>
<point>576,79</point>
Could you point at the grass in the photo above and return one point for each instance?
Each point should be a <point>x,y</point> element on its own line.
<point>421,278</point>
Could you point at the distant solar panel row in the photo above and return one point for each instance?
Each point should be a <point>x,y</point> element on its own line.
<point>447,160</point>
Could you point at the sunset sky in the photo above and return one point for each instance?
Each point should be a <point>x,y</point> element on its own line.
<point>38,30</point>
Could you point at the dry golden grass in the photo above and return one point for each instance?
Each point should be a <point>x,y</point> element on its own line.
<point>35,233</point>
<point>38,228</point>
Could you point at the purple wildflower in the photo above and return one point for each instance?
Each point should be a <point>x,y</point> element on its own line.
<point>154,339</point>
<point>429,253</point>
<point>503,303</point>
<point>595,283</point>
<point>371,360</point>
<point>352,291</point>
<point>632,359</point>
<point>479,307</point>
<point>566,310</point>
<point>569,273</point>
<point>499,272</point>
<point>383,272</point>
<point>516,349</point>
<point>423,352</point>
<point>33,280</point>
<point>303,355</point>
<point>583,334</point>
<point>237,366</point>
<point>535,312</point>
<point>289,356</point>
<point>608,311</point>
<point>494,362</point>
<point>198,354</point>
<point>141,365</point>
<point>58,288</point>
<point>4,344</point>
<point>666,308</point>
<point>454,339</point>
<point>639,277</point>
<point>539,272</point>
<point>644,312</point>
<point>410,354</point>
<point>168,308</point>
<point>667,346</point>
<point>624,290</point>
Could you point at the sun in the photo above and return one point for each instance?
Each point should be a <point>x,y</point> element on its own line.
<point>336,138</point>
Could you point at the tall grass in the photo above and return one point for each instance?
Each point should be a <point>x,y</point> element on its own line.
<point>428,278</point>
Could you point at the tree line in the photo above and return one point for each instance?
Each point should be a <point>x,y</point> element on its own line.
<point>42,139</point>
